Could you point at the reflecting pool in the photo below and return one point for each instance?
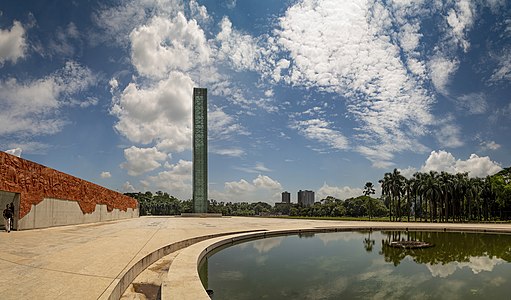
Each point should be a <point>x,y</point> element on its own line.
<point>356,265</point>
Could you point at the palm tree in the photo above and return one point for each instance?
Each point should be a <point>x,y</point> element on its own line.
<point>446,185</point>
<point>432,193</point>
<point>369,189</point>
<point>473,198</point>
<point>385,192</point>
<point>396,186</point>
<point>408,183</point>
<point>460,194</point>
<point>489,195</point>
<point>419,178</point>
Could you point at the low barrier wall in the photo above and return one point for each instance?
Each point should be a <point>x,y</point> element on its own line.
<point>47,197</point>
<point>56,212</point>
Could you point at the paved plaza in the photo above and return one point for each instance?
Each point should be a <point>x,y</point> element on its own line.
<point>86,261</point>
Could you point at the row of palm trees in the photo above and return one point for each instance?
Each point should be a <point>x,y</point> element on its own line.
<point>440,197</point>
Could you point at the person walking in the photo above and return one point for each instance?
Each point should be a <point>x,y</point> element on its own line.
<point>11,207</point>
<point>8,218</point>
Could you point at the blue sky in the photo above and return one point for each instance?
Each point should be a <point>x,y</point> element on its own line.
<point>313,94</point>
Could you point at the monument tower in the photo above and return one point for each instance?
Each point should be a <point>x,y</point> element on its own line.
<point>200,150</point>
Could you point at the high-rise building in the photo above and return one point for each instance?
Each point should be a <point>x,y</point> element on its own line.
<point>286,197</point>
<point>306,198</point>
<point>200,150</point>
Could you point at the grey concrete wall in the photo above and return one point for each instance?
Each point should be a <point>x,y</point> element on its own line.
<point>6,198</point>
<point>56,212</point>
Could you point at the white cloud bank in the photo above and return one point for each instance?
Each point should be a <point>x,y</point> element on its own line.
<point>341,193</point>
<point>168,49</point>
<point>31,107</point>
<point>176,179</point>
<point>159,113</point>
<point>127,187</point>
<point>239,49</point>
<point>346,47</point>
<point>164,45</point>
<point>372,53</point>
<point>262,188</point>
<point>260,182</point>
<point>142,160</point>
<point>439,161</point>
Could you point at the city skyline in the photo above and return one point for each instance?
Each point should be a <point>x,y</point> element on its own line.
<point>320,95</point>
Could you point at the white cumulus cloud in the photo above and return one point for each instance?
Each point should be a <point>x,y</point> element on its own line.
<point>160,113</point>
<point>449,133</point>
<point>165,45</point>
<point>31,107</point>
<point>240,49</point>
<point>266,182</point>
<point>441,69</point>
<point>15,152</point>
<point>262,188</point>
<point>127,187</point>
<point>239,187</point>
<point>13,44</point>
<point>490,145</point>
<point>105,174</point>
<point>176,179</point>
<point>475,165</point>
<point>142,160</point>
<point>117,22</point>
<point>341,193</point>
<point>222,126</point>
<point>460,19</point>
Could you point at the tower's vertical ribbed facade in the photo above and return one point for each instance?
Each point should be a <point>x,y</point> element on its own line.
<point>200,150</point>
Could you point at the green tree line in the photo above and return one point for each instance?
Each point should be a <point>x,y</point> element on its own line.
<point>430,197</point>
<point>162,203</point>
<point>446,197</point>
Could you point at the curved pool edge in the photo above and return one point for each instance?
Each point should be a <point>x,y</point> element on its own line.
<point>183,281</point>
<point>122,282</point>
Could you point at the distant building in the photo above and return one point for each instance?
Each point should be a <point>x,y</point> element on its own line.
<point>286,197</point>
<point>306,198</point>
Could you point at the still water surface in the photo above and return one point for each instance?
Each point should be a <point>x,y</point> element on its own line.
<point>356,265</point>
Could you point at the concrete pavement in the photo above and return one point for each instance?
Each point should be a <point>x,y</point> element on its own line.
<point>90,261</point>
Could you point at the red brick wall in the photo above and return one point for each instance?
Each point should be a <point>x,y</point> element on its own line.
<point>35,182</point>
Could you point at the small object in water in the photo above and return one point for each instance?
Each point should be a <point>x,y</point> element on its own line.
<point>410,244</point>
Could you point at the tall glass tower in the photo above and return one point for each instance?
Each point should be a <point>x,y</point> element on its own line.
<point>200,150</point>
